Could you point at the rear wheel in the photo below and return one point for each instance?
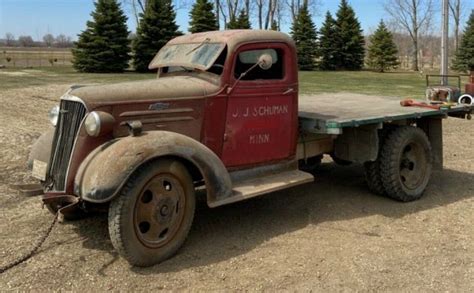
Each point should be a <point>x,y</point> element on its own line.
<point>406,163</point>
<point>373,177</point>
<point>372,168</point>
<point>151,217</point>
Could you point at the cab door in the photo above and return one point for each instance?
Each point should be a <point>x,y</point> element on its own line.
<point>261,119</point>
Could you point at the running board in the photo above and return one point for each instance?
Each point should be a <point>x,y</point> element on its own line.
<point>257,186</point>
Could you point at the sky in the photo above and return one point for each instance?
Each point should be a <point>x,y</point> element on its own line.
<point>39,17</point>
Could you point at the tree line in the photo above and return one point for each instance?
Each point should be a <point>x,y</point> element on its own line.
<point>49,40</point>
<point>105,46</point>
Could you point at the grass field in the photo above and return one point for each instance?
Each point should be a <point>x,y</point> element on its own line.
<point>399,84</point>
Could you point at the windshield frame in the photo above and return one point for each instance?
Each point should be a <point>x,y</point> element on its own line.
<point>155,63</point>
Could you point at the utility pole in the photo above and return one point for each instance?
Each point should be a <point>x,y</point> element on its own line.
<point>444,42</point>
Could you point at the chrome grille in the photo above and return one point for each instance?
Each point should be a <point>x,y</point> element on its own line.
<point>70,117</point>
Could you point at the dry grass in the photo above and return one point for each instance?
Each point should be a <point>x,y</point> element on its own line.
<point>34,57</point>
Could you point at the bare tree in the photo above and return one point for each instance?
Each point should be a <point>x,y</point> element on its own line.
<point>138,6</point>
<point>217,7</point>
<point>293,7</point>
<point>267,10</point>
<point>232,9</point>
<point>456,8</point>
<point>26,41</point>
<point>9,39</point>
<point>63,41</point>
<point>48,40</point>
<point>412,16</point>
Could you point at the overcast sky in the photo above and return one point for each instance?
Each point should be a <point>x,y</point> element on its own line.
<point>38,17</point>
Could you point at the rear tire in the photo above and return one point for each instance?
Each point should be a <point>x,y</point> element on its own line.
<point>373,177</point>
<point>372,168</point>
<point>406,163</point>
<point>151,217</point>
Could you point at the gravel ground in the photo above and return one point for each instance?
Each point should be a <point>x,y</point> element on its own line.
<point>331,235</point>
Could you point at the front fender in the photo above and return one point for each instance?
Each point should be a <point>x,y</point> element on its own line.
<point>106,169</point>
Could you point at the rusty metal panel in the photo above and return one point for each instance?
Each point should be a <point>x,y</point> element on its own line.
<point>261,122</point>
<point>433,128</point>
<point>119,158</point>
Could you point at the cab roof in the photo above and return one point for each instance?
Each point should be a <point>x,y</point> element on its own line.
<point>233,38</point>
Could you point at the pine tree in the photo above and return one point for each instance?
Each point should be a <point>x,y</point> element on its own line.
<point>275,26</point>
<point>327,45</point>
<point>157,27</point>
<point>202,17</point>
<point>303,32</point>
<point>465,55</point>
<point>241,22</point>
<point>104,45</point>
<point>349,40</point>
<point>382,49</point>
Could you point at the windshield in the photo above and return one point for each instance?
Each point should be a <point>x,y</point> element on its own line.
<point>196,55</point>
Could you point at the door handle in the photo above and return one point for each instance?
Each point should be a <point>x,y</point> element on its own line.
<point>289,90</point>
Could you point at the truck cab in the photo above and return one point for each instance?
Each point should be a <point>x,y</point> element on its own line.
<point>223,115</point>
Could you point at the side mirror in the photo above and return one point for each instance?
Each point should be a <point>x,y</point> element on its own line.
<point>265,61</point>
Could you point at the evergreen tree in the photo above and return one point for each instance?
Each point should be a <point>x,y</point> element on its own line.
<point>202,17</point>
<point>465,55</point>
<point>241,22</point>
<point>157,27</point>
<point>303,32</point>
<point>349,40</point>
<point>382,49</point>
<point>104,45</point>
<point>275,26</point>
<point>326,43</point>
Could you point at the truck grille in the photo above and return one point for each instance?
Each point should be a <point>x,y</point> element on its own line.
<point>69,120</point>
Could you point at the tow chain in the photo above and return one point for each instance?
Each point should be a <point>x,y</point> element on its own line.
<point>33,250</point>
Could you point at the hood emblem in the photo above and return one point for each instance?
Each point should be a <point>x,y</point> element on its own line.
<point>159,106</point>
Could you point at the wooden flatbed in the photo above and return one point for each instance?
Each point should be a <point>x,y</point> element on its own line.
<point>330,113</point>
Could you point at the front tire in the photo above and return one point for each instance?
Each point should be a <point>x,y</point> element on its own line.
<point>406,163</point>
<point>151,217</point>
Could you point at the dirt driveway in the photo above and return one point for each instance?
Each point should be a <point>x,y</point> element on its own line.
<point>331,235</point>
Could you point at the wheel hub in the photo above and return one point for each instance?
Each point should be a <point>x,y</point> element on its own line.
<point>412,161</point>
<point>159,210</point>
<point>164,208</point>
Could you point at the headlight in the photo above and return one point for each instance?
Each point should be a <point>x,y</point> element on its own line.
<point>53,115</point>
<point>98,123</point>
<point>92,124</point>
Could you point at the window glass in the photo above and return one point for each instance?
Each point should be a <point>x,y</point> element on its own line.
<point>251,57</point>
<point>200,56</point>
<point>247,59</point>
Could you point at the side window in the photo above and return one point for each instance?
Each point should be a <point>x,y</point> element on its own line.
<point>247,59</point>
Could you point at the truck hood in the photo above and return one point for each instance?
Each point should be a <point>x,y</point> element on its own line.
<point>165,88</point>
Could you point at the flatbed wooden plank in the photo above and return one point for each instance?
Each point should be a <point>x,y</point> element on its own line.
<point>349,109</point>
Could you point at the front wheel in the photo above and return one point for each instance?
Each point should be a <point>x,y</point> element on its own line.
<point>151,217</point>
<point>406,163</point>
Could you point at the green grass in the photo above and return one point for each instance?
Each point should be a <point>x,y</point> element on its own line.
<point>398,84</point>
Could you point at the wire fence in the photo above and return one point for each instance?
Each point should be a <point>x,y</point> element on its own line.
<point>34,57</point>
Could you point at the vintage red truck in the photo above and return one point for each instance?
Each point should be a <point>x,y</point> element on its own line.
<point>223,115</point>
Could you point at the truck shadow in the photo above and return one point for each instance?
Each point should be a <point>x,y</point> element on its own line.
<point>339,193</point>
